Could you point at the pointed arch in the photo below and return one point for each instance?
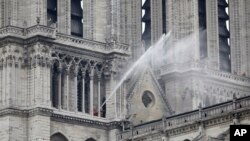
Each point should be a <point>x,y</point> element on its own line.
<point>58,137</point>
<point>90,139</point>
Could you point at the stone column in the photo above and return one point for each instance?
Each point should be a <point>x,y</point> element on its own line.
<point>64,9</point>
<point>59,87</point>
<point>115,103</point>
<point>91,107</point>
<point>4,83</point>
<point>1,84</point>
<point>83,89</point>
<point>49,84</point>
<point>9,92</point>
<point>121,94</point>
<point>75,88</point>
<point>18,93</point>
<point>67,88</point>
<point>99,94</point>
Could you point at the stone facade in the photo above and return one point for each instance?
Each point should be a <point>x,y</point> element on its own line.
<point>61,61</point>
<point>210,124</point>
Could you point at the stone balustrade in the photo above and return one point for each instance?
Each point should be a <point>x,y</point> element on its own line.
<point>25,33</point>
<point>11,31</point>
<point>40,30</point>
<point>200,67</point>
<point>49,32</point>
<point>183,119</point>
<point>91,45</point>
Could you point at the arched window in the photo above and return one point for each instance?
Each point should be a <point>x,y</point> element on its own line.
<point>90,139</point>
<point>51,12</point>
<point>76,18</point>
<point>146,19</point>
<point>186,140</point>
<point>58,137</point>
<point>54,83</point>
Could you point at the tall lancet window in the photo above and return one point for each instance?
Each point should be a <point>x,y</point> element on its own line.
<point>79,91</point>
<point>146,19</point>
<point>164,17</point>
<point>51,12</point>
<point>76,18</point>
<point>202,28</point>
<point>55,85</point>
<point>225,62</point>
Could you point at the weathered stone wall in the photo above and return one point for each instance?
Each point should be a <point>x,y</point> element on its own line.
<point>5,126</point>
<point>38,128</point>
<point>18,128</point>
<point>239,36</point>
<point>186,91</point>
<point>76,132</point>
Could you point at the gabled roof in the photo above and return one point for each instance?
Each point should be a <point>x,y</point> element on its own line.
<point>137,77</point>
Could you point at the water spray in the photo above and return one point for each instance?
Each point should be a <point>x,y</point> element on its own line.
<point>151,50</point>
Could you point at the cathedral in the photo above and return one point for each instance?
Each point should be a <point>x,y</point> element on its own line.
<point>69,69</point>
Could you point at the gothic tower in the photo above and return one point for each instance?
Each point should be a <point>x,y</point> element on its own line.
<point>60,60</point>
<point>204,52</point>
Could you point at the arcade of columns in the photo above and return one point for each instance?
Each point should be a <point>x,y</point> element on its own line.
<point>33,76</point>
<point>90,84</point>
<point>79,71</point>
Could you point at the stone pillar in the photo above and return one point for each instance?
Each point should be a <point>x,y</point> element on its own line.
<point>91,107</point>
<point>120,98</point>
<point>83,89</point>
<point>35,125</point>
<point>64,9</point>
<point>59,87</point>
<point>49,84</point>
<point>9,91</point>
<point>17,86</point>
<point>115,102</point>
<point>67,88</point>
<point>1,84</point>
<point>75,88</point>
<point>99,94</point>
<point>4,83</point>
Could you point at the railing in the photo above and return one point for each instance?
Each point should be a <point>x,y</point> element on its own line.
<point>40,30</point>
<point>91,45</point>
<point>49,32</point>
<point>27,32</point>
<point>11,31</point>
<point>196,66</point>
<point>186,118</point>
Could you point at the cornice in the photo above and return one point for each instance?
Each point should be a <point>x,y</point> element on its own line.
<point>59,117</point>
<point>62,42</point>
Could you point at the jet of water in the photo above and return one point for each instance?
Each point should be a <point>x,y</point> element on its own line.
<point>145,57</point>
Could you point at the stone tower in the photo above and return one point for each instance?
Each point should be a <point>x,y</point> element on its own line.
<point>240,36</point>
<point>60,60</point>
<point>206,53</point>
